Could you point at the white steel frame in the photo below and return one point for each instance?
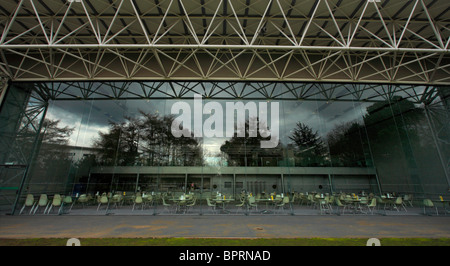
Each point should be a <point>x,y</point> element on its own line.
<point>402,41</point>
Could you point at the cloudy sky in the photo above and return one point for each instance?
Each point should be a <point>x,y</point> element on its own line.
<point>91,117</point>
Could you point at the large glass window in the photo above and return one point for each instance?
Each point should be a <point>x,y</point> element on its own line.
<point>101,138</point>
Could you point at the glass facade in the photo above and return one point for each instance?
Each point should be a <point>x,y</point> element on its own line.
<point>95,138</point>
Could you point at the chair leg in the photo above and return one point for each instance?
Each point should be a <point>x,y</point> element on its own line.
<point>46,207</point>
<point>21,210</point>
<point>32,207</point>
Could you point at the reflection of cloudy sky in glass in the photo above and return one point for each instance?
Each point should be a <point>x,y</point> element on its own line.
<point>91,117</point>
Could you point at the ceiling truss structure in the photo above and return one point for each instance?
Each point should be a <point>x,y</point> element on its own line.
<point>352,41</point>
<point>232,90</point>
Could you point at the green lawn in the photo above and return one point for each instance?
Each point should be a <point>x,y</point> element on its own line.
<point>226,242</point>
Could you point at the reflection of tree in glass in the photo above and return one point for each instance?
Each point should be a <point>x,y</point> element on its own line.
<point>162,148</point>
<point>344,142</point>
<point>246,150</point>
<point>54,142</point>
<point>407,117</point>
<point>118,146</point>
<point>310,149</point>
<point>396,128</point>
<point>146,140</point>
<point>54,157</point>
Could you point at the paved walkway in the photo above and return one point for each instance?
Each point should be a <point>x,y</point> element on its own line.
<point>224,226</point>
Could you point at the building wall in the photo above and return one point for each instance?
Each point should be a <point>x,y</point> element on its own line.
<point>390,136</point>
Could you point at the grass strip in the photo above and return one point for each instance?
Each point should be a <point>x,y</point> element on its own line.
<point>226,242</point>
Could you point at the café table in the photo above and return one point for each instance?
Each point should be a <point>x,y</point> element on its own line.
<point>355,203</point>
<point>444,204</point>
<point>179,203</point>
<point>388,201</point>
<point>223,202</point>
<point>269,201</point>
<point>358,202</point>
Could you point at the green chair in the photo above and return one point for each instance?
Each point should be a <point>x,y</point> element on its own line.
<point>117,200</point>
<point>310,200</point>
<point>211,205</point>
<point>428,203</point>
<point>190,204</point>
<point>302,198</point>
<point>339,204</point>
<point>408,199</point>
<point>148,200</point>
<point>83,200</point>
<point>139,201</point>
<point>241,205</point>
<point>293,199</point>
<point>324,206</point>
<point>373,204</point>
<point>29,202</point>
<point>252,203</point>
<point>43,202</point>
<point>56,202</point>
<point>398,203</point>
<point>103,199</point>
<point>68,201</point>
<point>167,206</point>
<point>329,201</point>
<point>379,201</point>
<point>283,203</point>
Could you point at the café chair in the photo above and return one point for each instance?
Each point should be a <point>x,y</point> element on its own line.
<point>56,202</point>
<point>138,200</point>
<point>372,205</point>
<point>83,199</point>
<point>116,200</point>
<point>68,201</point>
<point>211,205</point>
<point>167,206</point>
<point>43,202</point>
<point>103,199</point>
<point>190,204</point>
<point>29,202</point>
<point>399,204</point>
<point>283,203</point>
<point>252,203</point>
<point>427,203</point>
<point>241,205</point>
<point>339,204</point>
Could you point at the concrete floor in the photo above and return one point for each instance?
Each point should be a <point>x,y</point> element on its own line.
<point>140,224</point>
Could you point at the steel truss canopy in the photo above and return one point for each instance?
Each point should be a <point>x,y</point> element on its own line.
<point>352,41</point>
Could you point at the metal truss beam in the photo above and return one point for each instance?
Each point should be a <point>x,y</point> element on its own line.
<point>355,41</point>
<point>231,90</point>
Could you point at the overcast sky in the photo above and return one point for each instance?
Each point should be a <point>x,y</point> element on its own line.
<point>91,117</point>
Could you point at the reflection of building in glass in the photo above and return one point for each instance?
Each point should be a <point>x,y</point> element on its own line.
<point>363,94</point>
